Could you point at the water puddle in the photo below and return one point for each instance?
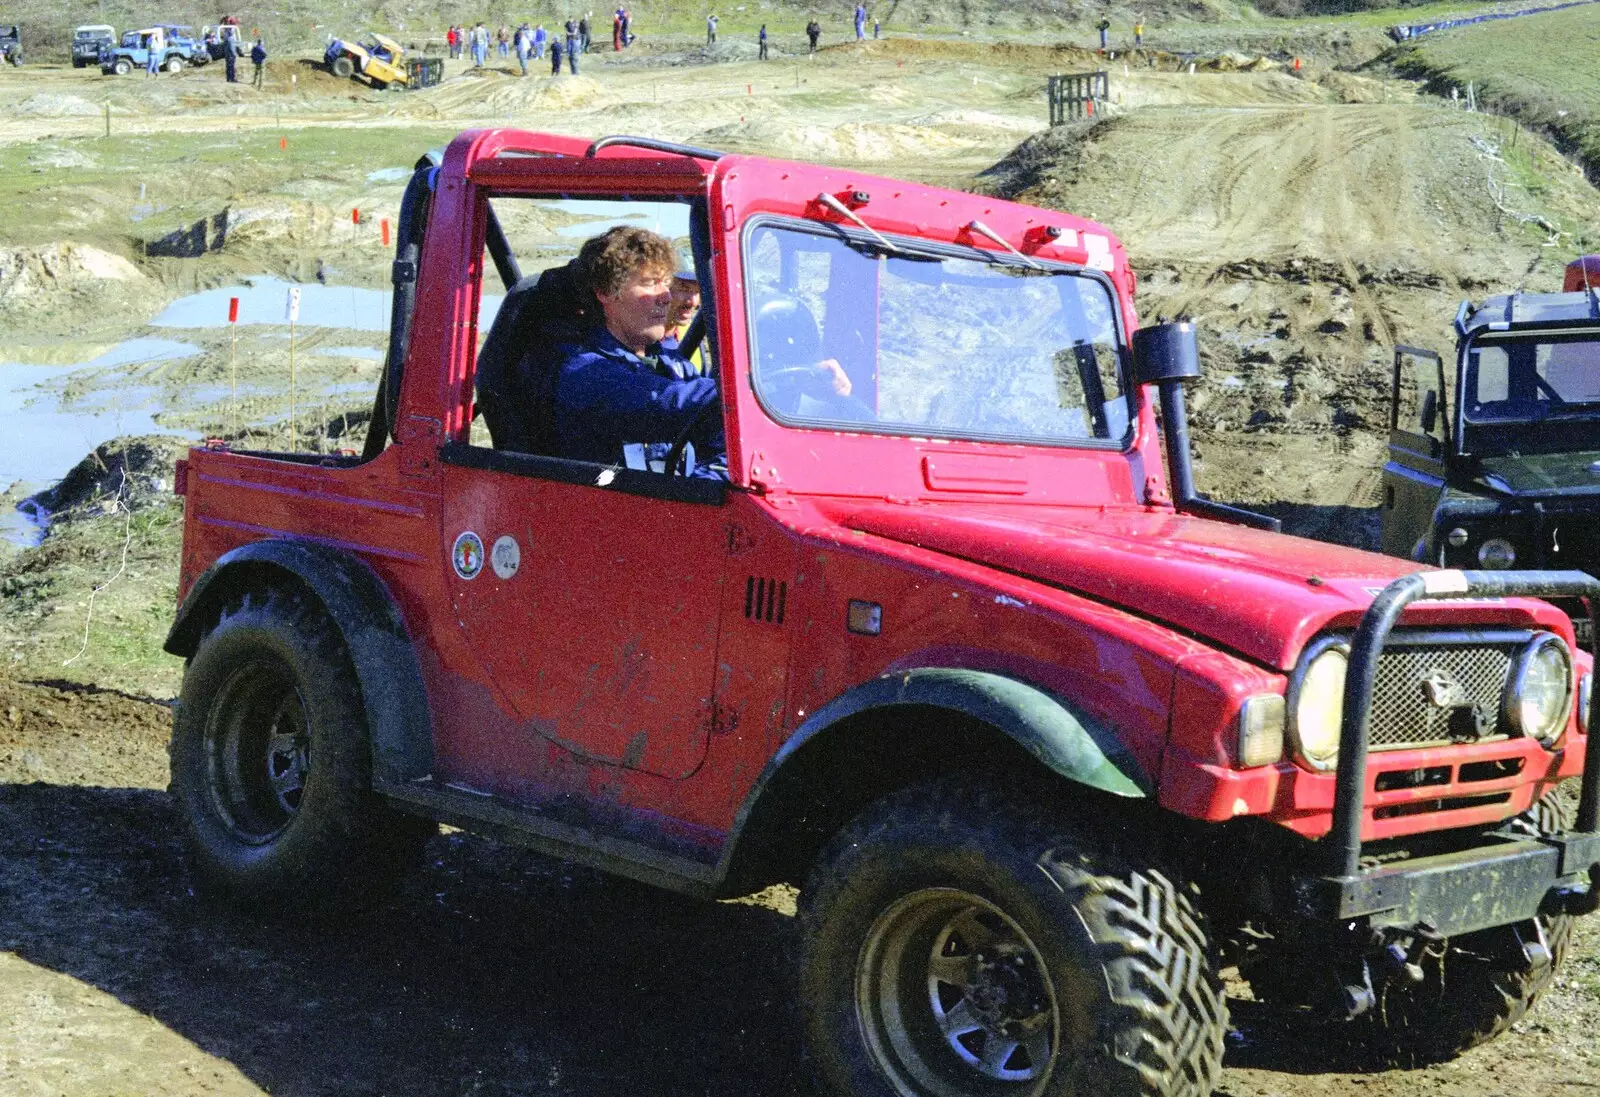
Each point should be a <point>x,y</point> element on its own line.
<point>266,301</point>
<point>43,440</point>
<point>368,354</point>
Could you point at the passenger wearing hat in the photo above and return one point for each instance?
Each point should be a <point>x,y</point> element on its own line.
<point>685,303</point>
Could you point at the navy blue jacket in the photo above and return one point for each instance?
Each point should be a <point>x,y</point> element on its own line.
<point>607,397</point>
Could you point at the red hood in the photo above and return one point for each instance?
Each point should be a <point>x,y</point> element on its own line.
<point>1261,594</point>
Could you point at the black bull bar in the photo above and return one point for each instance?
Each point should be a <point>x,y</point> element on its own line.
<point>1497,884</point>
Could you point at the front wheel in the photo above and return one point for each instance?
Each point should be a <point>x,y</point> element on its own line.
<point>174,65</point>
<point>1476,986</point>
<point>343,67</point>
<point>271,764</point>
<point>955,945</point>
<point>122,67</point>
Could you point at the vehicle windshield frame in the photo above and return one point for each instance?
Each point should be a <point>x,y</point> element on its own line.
<point>871,243</point>
<point>1543,333</point>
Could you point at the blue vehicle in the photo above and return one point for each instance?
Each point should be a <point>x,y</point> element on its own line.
<point>133,52</point>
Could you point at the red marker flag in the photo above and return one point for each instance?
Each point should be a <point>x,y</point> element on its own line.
<point>233,310</point>
<point>355,217</point>
<point>384,224</point>
<point>283,143</point>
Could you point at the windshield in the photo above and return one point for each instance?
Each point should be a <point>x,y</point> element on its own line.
<point>93,35</point>
<point>931,345</point>
<point>1532,377</point>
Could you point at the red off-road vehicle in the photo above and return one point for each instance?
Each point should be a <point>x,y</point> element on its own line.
<point>1045,738</point>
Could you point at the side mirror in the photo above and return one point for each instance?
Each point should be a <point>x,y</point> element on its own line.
<point>1429,414</point>
<point>1168,356</point>
<point>1166,352</point>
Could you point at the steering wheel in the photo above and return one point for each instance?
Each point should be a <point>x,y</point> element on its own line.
<point>675,462</point>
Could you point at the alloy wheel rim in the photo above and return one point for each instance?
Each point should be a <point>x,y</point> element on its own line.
<point>953,999</point>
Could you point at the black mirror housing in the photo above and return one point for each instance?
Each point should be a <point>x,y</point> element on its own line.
<point>1166,352</point>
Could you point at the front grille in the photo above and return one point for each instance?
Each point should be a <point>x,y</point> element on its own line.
<point>1435,692</point>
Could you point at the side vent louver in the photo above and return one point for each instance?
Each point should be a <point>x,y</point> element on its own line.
<point>764,599</point>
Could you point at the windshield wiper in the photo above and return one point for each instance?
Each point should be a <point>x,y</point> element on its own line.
<point>984,230</point>
<point>845,211</point>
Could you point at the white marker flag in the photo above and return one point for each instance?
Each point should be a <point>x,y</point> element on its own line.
<point>293,307</point>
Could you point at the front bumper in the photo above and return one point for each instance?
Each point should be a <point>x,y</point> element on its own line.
<point>1506,881</point>
<point>1462,892</point>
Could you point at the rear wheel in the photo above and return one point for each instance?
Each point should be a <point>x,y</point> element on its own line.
<point>343,67</point>
<point>271,767</point>
<point>955,945</point>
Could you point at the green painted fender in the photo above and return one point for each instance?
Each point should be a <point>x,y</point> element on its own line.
<point>1060,736</point>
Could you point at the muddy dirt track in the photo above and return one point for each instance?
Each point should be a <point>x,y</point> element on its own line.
<point>1307,221</point>
<point>494,971</point>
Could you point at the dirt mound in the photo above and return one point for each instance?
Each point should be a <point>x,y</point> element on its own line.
<point>32,272</point>
<point>854,142</point>
<point>68,734</point>
<point>69,290</point>
<point>1011,55</point>
<point>127,472</point>
<point>54,105</point>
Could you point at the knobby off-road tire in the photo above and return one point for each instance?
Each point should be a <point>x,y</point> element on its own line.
<point>271,765</point>
<point>343,67</point>
<point>122,67</point>
<point>952,944</point>
<point>173,65</point>
<point>1477,988</point>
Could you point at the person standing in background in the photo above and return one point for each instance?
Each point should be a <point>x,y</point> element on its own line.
<point>762,40</point>
<point>157,49</point>
<point>258,58</point>
<point>540,37</point>
<point>555,57</point>
<point>583,34</point>
<point>1104,27</point>
<point>861,22</point>
<point>813,32</point>
<point>711,30</point>
<point>1138,31</point>
<point>230,57</point>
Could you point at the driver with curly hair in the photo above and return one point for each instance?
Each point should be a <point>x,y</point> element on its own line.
<point>621,397</point>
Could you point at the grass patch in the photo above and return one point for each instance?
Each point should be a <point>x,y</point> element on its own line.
<point>1543,70</point>
<point>54,624</point>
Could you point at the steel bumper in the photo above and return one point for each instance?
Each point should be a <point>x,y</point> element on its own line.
<point>1466,891</point>
<point>1496,884</point>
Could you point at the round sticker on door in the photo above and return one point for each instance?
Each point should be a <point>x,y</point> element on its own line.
<point>506,557</point>
<point>467,555</point>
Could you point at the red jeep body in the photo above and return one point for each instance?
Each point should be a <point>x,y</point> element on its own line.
<point>698,684</point>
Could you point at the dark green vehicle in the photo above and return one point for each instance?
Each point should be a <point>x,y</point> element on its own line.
<point>1496,463</point>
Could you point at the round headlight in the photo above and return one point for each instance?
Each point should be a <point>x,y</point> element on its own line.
<point>1318,705</point>
<point>1541,689</point>
<point>1457,537</point>
<point>1497,553</point>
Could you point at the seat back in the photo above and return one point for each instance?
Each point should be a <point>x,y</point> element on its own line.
<point>517,365</point>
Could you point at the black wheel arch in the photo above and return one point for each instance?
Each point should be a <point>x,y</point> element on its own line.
<point>911,727</point>
<point>368,619</point>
